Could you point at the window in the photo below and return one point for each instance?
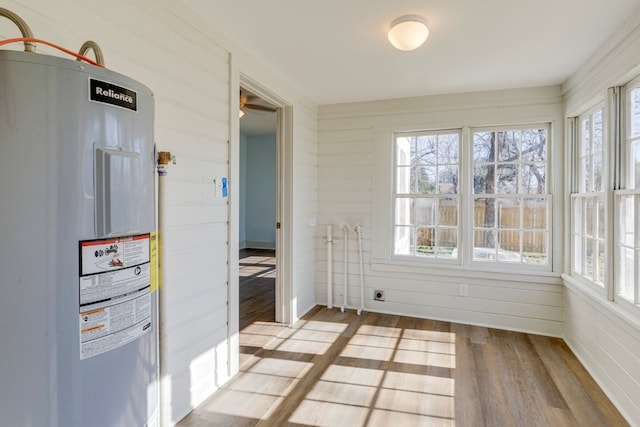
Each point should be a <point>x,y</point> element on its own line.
<point>510,200</point>
<point>627,243</point>
<point>426,194</point>
<point>605,199</point>
<point>588,202</point>
<point>507,187</point>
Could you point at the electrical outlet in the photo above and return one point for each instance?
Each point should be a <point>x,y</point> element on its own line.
<point>378,295</point>
<point>464,290</point>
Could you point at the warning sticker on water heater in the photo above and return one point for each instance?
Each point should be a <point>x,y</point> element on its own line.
<point>115,293</point>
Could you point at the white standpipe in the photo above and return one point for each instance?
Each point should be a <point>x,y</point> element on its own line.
<point>345,228</point>
<point>329,267</point>
<point>164,157</point>
<point>358,229</point>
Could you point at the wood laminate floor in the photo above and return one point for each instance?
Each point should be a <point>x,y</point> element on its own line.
<point>257,301</point>
<point>340,369</point>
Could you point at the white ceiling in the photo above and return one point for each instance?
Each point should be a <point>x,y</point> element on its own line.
<point>258,123</point>
<point>336,51</point>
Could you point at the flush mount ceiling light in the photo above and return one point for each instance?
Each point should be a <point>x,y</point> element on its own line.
<point>408,32</point>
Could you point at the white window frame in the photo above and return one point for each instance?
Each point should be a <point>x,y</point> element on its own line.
<point>626,188</point>
<point>437,197</point>
<point>547,196</point>
<point>466,197</point>
<point>582,196</point>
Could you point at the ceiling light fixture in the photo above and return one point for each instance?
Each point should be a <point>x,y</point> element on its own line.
<point>408,32</point>
<point>240,114</point>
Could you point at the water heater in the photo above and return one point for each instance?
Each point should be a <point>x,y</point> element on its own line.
<point>78,317</point>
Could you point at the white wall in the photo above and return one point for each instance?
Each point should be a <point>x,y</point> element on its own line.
<point>304,183</point>
<point>194,72</point>
<point>354,158</point>
<point>242,232</point>
<point>605,337</point>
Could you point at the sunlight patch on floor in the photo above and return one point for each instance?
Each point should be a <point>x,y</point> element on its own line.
<point>352,391</point>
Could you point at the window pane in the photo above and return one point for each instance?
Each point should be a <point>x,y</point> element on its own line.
<point>635,112</point>
<point>483,179</point>
<point>577,253</point>
<point>597,131</point>
<point>585,175</point>
<point>425,153</point>
<point>447,241</point>
<point>483,147</point>
<point>627,221</point>
<point>517,169</point>
<point>485,213</point>
<point>425,212</point>
<point>507,179</point>
<point>588,217</point>
<point>601,261</point>
<point>577,215</point>
<point>508,145</point>
<point>448,149</point>
<point>534,247</point>
<point>448,212</point>
<point>586,138</point>
<point>535,214</point>
<point>534,145</point>
<point>403,180</point>
<point>425,242</point>
<point>403,242</point>
<point>484,239</point>
<point>425,180</point>
<point>509,213</point>
<point>589,257</point>
<point>404,211</point>
<point>403,151</point>
<point>534,178</point>
<point>509,244</point>
<point>626,273</point>
<point>426,164</point>
<point>597,172</point>
<point>601,223</point>
<point>448,180</point>
<point>635,167</point>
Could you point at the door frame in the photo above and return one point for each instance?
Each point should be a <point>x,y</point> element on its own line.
<point>284,208</point>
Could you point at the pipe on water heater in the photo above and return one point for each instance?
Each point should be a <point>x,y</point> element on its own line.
<point>91,45</point>
<point>22,26</point>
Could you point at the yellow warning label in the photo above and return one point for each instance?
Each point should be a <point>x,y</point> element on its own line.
<point>153,258</point>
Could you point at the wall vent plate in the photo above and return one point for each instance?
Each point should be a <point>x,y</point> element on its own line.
<point>378,295</point>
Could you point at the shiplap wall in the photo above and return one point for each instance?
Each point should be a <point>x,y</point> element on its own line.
<point>304,208</point>
<point>354,163</point>
<point>188,66</point>
<point>605,337</point>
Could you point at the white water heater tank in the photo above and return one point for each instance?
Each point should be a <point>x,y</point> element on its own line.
<point>78,318</point>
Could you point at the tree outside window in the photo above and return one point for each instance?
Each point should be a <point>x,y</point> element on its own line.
<point>508,195</point>
<point>510,199</point>
<point>426,194</point>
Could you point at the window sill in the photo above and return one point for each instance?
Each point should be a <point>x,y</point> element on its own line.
<point>458,271</point>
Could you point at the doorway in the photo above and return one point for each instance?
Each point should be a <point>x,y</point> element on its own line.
<point>258,233</point>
